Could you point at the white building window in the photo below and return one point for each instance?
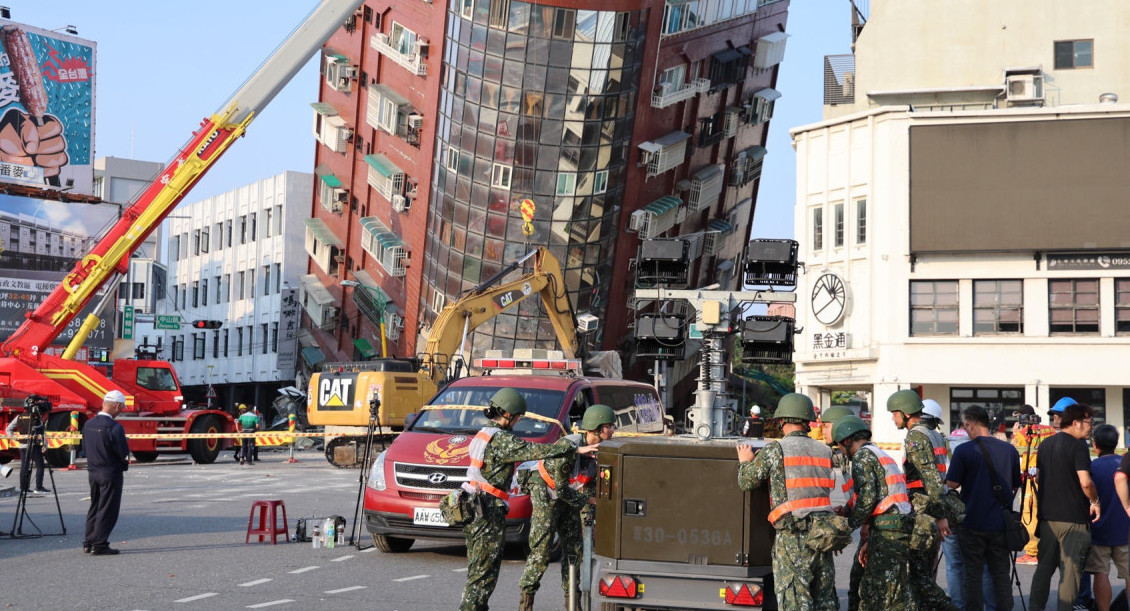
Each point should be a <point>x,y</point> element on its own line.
<point>566,183</point>
<point>600,182</point>
<point>1073,306</point>
<point>998,306</point>
<point>933,307</point>
<point>500,175</point>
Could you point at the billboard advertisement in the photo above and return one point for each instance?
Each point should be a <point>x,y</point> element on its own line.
<point>46,108</point>
<point>40,241</point>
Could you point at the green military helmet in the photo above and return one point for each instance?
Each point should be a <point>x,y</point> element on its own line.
<point>846,427</point>
<point>905,401</point>
<point>795,405</point>
<point>597,416</point>
<point>834,413</point>
<point>509,401</point>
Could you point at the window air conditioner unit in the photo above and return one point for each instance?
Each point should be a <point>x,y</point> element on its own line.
<point>638,220</point>
<point>341,195</point>
<point>343,83</point>
<point>1025,87</point>
<point>415,121</point>
<point>337,206</point>
<point>399,203</point>
<point>329,314</point>
<point>421,47</point>
<point>664,89</point>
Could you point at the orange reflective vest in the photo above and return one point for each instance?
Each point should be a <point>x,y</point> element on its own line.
<point>477,452</point>
<point>894,481</point>
<point>584,470</point>
<point>849,490</point>
<point>941,454</point>
<point>808,478</point>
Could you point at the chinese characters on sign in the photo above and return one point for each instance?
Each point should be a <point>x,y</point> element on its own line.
<point>827,341</point>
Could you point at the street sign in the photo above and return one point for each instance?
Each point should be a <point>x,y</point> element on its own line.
<point>127,322</point>
<point>168,322</point>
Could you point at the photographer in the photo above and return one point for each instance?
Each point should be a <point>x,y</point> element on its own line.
<point>25,424</point>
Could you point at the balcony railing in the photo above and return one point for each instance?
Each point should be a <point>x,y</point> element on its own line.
<point>410,62</point>
<point>675,95</point>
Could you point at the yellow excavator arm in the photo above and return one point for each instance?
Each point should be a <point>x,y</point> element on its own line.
<point>484,302</point>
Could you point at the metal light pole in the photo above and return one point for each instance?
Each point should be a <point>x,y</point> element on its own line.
<point>381,305</point>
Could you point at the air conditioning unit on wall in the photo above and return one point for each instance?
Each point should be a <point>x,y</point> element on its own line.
<point>399,203</point>
<point>1025,87</point>
<point>415,121</point>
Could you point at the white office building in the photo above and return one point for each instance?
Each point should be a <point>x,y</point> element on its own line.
<point>961,210</point>
<point>236,259</point>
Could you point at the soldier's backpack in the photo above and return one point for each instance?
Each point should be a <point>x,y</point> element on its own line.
<point>827,532</point>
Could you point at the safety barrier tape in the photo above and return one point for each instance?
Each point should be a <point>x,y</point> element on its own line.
<point>56,440</point>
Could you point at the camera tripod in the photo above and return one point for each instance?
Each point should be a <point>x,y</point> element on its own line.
<point>36,445</point>
<point>373,429</point>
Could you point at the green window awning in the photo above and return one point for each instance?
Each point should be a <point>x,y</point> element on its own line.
<point>390,94</point>
<point>338,57</point>
<point>322,232</point>
<point>365,349</point>
<point>381,164</point>
<point>324,109</point>
<point>331,181</point>
<point>383,235</point>
<point>663,205</point>
<point>720,225</point>
<point>313,356</point>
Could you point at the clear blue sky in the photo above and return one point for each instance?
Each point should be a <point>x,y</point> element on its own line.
<point>163,66</point>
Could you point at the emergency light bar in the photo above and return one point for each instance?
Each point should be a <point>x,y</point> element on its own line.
<point>538,364</point>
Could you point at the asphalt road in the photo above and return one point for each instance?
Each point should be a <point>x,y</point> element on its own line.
<point>181,534</point>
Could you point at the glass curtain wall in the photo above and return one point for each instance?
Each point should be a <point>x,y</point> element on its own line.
<point>536,104</point>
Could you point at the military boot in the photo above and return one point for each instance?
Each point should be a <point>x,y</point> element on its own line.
<point>527,603</point>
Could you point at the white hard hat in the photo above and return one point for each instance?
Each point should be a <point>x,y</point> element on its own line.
<point>116,396</point>
<point>931,408</point>
<point>755,411</point>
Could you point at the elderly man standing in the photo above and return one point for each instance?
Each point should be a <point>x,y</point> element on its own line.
<point>107,457</point>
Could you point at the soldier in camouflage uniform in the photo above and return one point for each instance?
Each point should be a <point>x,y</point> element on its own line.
<point>493,453</point>
<point>923,467</point>
<point>883,507</point>
<point>560,489</point>
<point>803,579</point>
<point>833,415</point>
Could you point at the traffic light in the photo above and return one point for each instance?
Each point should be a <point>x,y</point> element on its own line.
<point>207,324</point>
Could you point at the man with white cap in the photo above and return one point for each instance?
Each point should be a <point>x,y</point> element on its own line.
<point>107,457</point>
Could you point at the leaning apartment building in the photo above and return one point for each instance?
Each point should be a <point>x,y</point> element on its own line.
<point>619,121</point>
<point>961,210</point>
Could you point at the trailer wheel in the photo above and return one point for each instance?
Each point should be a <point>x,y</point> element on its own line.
<point>145,456</point>
<point>392,545</point>
<point>205,451</point>
<point>58,458</point>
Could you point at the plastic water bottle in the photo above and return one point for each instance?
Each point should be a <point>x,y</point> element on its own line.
<point>341,536</point>
<point>331,537</point>
<point>317,536</point>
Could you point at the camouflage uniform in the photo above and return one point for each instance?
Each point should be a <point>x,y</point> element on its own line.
<point>856,573</point>
<point>486,536</point>
<point>803,580</point>
<point>561,514</point>
<point>920,465</point>
<point>884,583</point>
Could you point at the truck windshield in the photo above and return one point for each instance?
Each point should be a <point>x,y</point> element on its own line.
<point>156,378</point>
<point>539,401</point>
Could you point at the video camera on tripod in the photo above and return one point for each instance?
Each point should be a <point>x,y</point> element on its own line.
<point>1027,419</point>
<point>38,406</point>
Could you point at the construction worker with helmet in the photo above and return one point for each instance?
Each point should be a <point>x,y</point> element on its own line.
<point>248,423</point>
<point>493,453</point>
<point>925,460</point>
<point>798,470</point>
<point>1027,435</point>
<point>883,513</point>
<point>560,490</point>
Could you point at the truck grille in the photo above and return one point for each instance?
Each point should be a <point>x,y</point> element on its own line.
<point>429,477</point>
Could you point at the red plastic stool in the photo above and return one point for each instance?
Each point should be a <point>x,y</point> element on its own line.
<point>266,529</point>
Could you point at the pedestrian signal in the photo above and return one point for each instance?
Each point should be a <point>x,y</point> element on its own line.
<point>207,324</point>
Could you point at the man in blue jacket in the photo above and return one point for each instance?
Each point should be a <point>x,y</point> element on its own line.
<point>107,457</point>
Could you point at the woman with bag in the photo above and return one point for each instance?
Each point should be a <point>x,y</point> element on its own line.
<point>987,470</point>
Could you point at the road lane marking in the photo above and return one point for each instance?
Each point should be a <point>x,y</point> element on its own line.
<point>349,589</point>
<point>197,597</point>
<point>343,558</point>
<point>303,570</point>
<point>271,604</point>
<point>462,570</point>
<point>369,550</point>
<point>412,578</point>
<point>254,583</point>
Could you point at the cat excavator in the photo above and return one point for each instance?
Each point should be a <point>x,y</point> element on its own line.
<point>345,397</point>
